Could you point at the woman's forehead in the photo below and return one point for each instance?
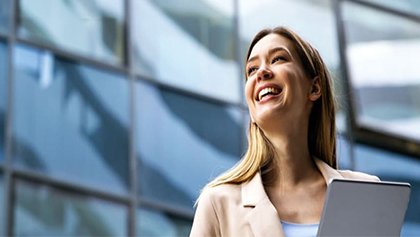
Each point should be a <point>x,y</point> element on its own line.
<point>270,41</point>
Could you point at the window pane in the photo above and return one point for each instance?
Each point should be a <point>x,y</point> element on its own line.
<point>3,96</point>
<point>304,17</point>
<point>382,56</point>
<point>70,120</point>
<point>5,11</point>
<point>409,6</point>
<point>394,167</point>
<point>93,28</point>
<point>190,44</point>
<point>2,212</point>
<point>344,159</point>
<point>43,211</point>
<point>182,143</point>
<point>153,223</point>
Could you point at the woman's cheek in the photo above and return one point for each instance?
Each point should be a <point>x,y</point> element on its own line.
<point>248,90</point>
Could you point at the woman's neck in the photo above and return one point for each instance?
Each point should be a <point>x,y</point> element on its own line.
<point>294,164</point>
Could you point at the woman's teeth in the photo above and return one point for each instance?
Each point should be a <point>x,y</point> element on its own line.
<point>267,91</point>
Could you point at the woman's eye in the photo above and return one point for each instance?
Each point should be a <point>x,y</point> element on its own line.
<point>251,70</point>
<point>278,58</point>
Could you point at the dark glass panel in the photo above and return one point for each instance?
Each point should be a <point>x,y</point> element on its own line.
<point>394,167</point>
<point>3,96</point>
<point>92,28</point>
<point>190,44</point>
<point>382,54</point>
<point>5,10</point>
<point>154,223</point>
<point>44,211</point>
<point>182,143</point>
<point>70,120</point>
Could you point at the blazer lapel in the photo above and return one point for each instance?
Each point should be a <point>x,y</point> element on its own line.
<point>327,171</point>
<point>263,217</point>
<point>264,220</point>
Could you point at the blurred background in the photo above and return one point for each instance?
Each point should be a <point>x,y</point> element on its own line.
<point>115,113</point>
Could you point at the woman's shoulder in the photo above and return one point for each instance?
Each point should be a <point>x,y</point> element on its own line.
<point>216,209</point>
<point>349,174</point>
<point>220,192</point>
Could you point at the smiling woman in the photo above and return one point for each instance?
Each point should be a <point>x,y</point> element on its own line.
<point>282,178</point>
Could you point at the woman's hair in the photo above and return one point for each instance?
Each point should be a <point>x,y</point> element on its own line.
<point>260,156</point>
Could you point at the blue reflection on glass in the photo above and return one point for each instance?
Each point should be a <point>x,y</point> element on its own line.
<point>394,167</point>
<point>190,44</point>
<point>70,121</point>
<point>2,212</point>
<point>182,143</point>
<point>343,153</point>
<point>3,95</point>
<point>155,223</point>
<point>5,10</point>
<point>93,28</point>
<point>44,211</point>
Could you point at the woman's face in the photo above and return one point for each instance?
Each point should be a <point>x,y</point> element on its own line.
<point>276,82</point>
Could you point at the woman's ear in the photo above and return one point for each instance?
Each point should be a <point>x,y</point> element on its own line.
<point>315,89</point>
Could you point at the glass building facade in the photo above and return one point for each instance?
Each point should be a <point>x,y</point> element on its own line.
<point>115,113</point>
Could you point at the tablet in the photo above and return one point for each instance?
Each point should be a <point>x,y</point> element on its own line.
<point>363,208</point>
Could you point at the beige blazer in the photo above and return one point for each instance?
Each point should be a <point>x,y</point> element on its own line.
<point>245,210</point>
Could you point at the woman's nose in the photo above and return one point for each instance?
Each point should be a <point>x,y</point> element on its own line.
<point>264,73</point>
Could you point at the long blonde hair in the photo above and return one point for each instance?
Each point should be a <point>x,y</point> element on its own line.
<point>260,155</point>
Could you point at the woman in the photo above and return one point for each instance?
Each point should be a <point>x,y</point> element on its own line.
<point>278,187</point>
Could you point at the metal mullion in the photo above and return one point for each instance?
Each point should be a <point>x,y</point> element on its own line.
<point>184,213</point>
<point>132,218</point>
<point>54,183</point>
<point>9,188</point>
<point>95,62</point>
<point>348,99</point>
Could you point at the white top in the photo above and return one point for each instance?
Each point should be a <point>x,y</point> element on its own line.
<point>299,230</point>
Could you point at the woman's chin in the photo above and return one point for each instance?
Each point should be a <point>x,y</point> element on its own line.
<point>269,116</point>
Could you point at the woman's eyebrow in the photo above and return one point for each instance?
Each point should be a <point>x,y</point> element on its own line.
<point>277,49</point>
<point>252,59</point>
<point>270,52</point>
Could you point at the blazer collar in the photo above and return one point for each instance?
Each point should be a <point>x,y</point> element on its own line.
<point>263,218</point>
<point>327,171</point>
<point>253,191</point>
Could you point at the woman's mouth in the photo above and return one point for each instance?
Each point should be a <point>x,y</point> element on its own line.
<point>267,92</point>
